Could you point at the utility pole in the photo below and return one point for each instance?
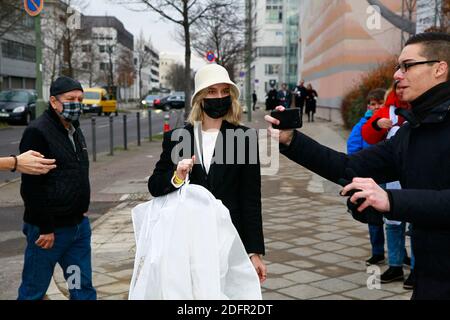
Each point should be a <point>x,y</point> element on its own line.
<point>248,59</point>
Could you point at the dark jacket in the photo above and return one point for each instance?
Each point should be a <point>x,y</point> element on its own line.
<point>311,102</point>
<point>284,98</point>
<point>238,186</point>
<point>61,197</point>
<point>419,157</point>
<point>300,96</point>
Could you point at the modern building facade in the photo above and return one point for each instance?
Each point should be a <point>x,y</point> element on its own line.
<point>18,56</point>
<point>268,43</point>
<point>340,40</point>
<point>291,28</point>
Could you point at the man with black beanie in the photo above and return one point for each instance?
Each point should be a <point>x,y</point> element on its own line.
<point>418,156</point>
<point>55,222</point>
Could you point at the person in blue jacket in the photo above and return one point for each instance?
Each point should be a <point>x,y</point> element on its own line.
<point>355,143</point>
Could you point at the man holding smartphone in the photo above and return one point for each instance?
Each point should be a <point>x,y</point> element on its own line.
<point>418,156</point>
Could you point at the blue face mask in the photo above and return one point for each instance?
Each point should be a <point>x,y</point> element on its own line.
<point>71,111</point>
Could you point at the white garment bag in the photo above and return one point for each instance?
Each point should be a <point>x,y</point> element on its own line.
<point>188,248</point>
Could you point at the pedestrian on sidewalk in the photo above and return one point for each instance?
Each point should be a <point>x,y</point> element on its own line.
<point>356,143</point>
<point>255,99</point>
<point>417,156</point>
<point>382,126</point>
<point>284,96</point>
<point>300,93</point>
<point>271,99</point>
<point>30,162</point>
<point>55,222</point>
<point>216,108</point>
<point>311,102</point>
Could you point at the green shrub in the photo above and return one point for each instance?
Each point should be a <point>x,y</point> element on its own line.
<point>354,103</point>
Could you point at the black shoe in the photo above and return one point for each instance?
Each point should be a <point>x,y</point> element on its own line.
<point>375,259</point>
<point>409,282</point>
<point>407,261</point>
<point>392,274</point>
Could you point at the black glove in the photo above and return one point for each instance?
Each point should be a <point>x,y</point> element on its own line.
<point>369,215</point>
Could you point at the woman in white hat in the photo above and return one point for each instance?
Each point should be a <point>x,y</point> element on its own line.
<point>237,183</point>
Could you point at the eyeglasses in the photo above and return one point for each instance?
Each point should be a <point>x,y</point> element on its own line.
<point>404,66</point>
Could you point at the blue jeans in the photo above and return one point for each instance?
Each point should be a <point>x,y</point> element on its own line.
<point>395,235</point>
<point>71,250</point>
<point>413,260</point>
<point>376,234</point>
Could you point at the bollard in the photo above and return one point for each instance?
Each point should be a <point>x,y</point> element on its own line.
<point>125,142</point>
<point>166,123</point>
<point>111,135</point>
<point>94,142</point>
<point>150,135</point>
<point>138,116</point>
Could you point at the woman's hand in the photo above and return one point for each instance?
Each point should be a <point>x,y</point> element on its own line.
<point>184,167</point>
<point>32,162</point>
<point>260,267</point>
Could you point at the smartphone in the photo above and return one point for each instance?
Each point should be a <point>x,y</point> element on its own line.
<point>289,119</point>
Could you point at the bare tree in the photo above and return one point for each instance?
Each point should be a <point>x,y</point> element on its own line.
<point>184,13</point>
<point>177,77</point>
<point>13,17</point>
<point>221,32</point>
<point>125,69</point>
<point>72,37</point>
<point>144,57</point>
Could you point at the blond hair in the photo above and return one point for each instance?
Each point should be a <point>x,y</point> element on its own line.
<point>233,116</point>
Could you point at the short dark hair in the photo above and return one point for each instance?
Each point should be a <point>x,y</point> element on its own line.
<point>435,45</point>
<point>376,94</point>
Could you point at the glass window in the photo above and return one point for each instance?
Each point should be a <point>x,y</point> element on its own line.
<point>274,11</point>
<point>92,95</point>
<point>272,69</point>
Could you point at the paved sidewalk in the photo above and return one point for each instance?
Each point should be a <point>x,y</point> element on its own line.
<point>314,248</point>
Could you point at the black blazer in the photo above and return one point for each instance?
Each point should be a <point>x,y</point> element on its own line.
<point>238,186</point>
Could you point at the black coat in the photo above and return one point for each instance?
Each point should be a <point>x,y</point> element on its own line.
<point>61,197</point>
<point>420,159</point>
<point>311,102</point>
<point>238,186</point>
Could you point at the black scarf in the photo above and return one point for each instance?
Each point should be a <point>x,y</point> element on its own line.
<point>437,95</point>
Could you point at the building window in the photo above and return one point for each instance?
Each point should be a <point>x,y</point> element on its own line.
<point>86,66</point>
<point>269,51</point>
<point>274,11</point>
<point>86,48</point>
<point>104,66</point>
<point>18,51</point>
<point>271,69</point>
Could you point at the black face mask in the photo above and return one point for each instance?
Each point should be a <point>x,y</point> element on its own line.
<point>217,108</point>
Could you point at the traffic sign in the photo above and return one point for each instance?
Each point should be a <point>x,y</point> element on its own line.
<point>33,7</point>
<point>210,56</point>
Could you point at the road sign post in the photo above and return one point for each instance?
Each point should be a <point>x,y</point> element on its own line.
<point>34,8</point>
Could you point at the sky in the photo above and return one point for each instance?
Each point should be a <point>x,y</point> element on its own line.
<point>161,32</point>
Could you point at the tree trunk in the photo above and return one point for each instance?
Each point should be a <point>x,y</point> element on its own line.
<point>187,58</point>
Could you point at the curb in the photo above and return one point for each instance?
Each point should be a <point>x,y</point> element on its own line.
<point>4,184</point>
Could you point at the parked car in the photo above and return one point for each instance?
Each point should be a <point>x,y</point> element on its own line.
<point>97,100</point>
<point>173,101</point>
<point>18,105</point>
<point>148,101</point>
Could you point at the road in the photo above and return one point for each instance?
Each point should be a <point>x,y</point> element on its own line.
<point>10,137</point>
